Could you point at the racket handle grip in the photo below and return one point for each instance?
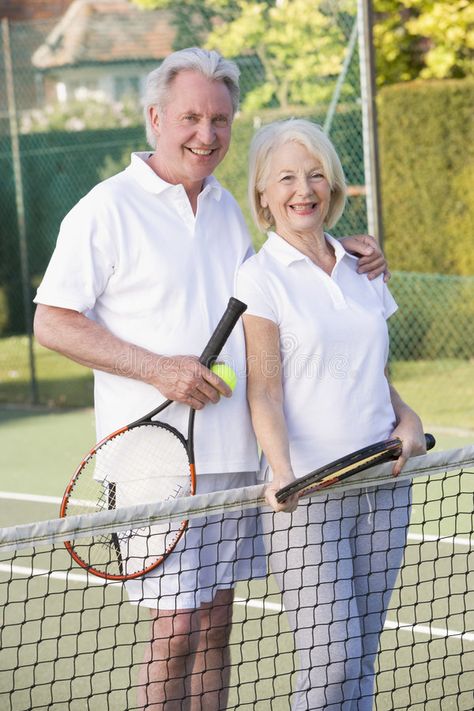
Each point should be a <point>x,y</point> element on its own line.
<point>430,441</point>
<point>224,328</point>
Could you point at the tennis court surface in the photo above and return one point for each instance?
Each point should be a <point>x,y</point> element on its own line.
<point>70,640</point>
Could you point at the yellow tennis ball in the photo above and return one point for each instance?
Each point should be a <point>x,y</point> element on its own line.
<point>225,373</point>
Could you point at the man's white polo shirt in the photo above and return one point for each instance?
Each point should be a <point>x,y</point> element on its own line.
<point>133,256</point>
<point>334,347</point>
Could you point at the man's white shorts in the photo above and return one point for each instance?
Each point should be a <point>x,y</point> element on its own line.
<point>214,554</point>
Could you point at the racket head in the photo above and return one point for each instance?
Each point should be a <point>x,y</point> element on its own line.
<point>139,464</point>
<point>347,466</point>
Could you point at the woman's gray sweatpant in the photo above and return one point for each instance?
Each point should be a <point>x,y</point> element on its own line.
<point>336,560</point>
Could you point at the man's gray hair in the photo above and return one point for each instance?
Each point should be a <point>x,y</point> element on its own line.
<point>208,62</point>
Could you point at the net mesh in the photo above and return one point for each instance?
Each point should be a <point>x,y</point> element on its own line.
<point>70,640</point>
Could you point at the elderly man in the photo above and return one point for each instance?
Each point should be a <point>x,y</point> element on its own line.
<point>142,271</point>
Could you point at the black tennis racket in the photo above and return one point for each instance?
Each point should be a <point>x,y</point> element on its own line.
<point>143,462</point>
<point>347,466</point>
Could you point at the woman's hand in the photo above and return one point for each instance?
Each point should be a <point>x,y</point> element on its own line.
<point>270,495</point>
<point>410,431</point>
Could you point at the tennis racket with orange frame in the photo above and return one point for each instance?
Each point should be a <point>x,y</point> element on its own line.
<point>145,461</point>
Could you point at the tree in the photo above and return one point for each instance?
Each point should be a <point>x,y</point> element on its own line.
<point>194,19</point>
<point>300,43</point>
<point>449,27</point>
<point>397,56</point>
<point>423,38</point>
<point>298,40</point>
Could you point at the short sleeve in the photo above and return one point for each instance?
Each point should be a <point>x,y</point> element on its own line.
<point>250,288</point>
<point>389,303</point>
<point>384,297</point>
<point>81,264</point>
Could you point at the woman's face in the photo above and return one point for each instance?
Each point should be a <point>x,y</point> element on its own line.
<point>296,192</point>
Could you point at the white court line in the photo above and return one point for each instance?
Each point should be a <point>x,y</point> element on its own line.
<point>264,605</point>
<point>33,498</point>
<point>428,630</point>
<point>454,431</point>
<point>39,499</point>
<point>452,540</point>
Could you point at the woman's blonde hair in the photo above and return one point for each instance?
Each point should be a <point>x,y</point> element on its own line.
<point>269,139</point>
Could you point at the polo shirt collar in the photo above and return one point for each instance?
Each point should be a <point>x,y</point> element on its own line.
<point>213,187</point>
<point>287,254</point>
<point>152,183</point>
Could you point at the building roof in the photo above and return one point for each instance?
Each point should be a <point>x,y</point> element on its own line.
<point>28,10</point>
<point>105,31</point>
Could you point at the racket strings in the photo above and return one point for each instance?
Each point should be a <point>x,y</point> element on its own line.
<point>147,463</point>
<point>145,452</point>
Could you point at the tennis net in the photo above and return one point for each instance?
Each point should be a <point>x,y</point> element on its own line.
<point>70,640</point>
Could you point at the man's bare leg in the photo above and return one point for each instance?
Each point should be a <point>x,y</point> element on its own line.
<point>209,681</point>
<point>162,676</point>
<point>188,658</point>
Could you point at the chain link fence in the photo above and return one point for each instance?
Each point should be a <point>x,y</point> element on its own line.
<point>71,116</point>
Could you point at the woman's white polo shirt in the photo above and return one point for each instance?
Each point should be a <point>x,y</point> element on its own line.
<point>333,347</point>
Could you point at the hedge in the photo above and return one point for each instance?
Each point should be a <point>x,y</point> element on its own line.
<point>427,163</point>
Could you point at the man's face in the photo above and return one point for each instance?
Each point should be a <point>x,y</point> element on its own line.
<point>193,132</point>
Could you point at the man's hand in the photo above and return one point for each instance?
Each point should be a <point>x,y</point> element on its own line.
<point>371,259</point>
<point>180,378</point>
<point>184,379</point>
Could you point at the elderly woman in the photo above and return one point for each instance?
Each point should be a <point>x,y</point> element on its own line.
<point>317,346</point>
